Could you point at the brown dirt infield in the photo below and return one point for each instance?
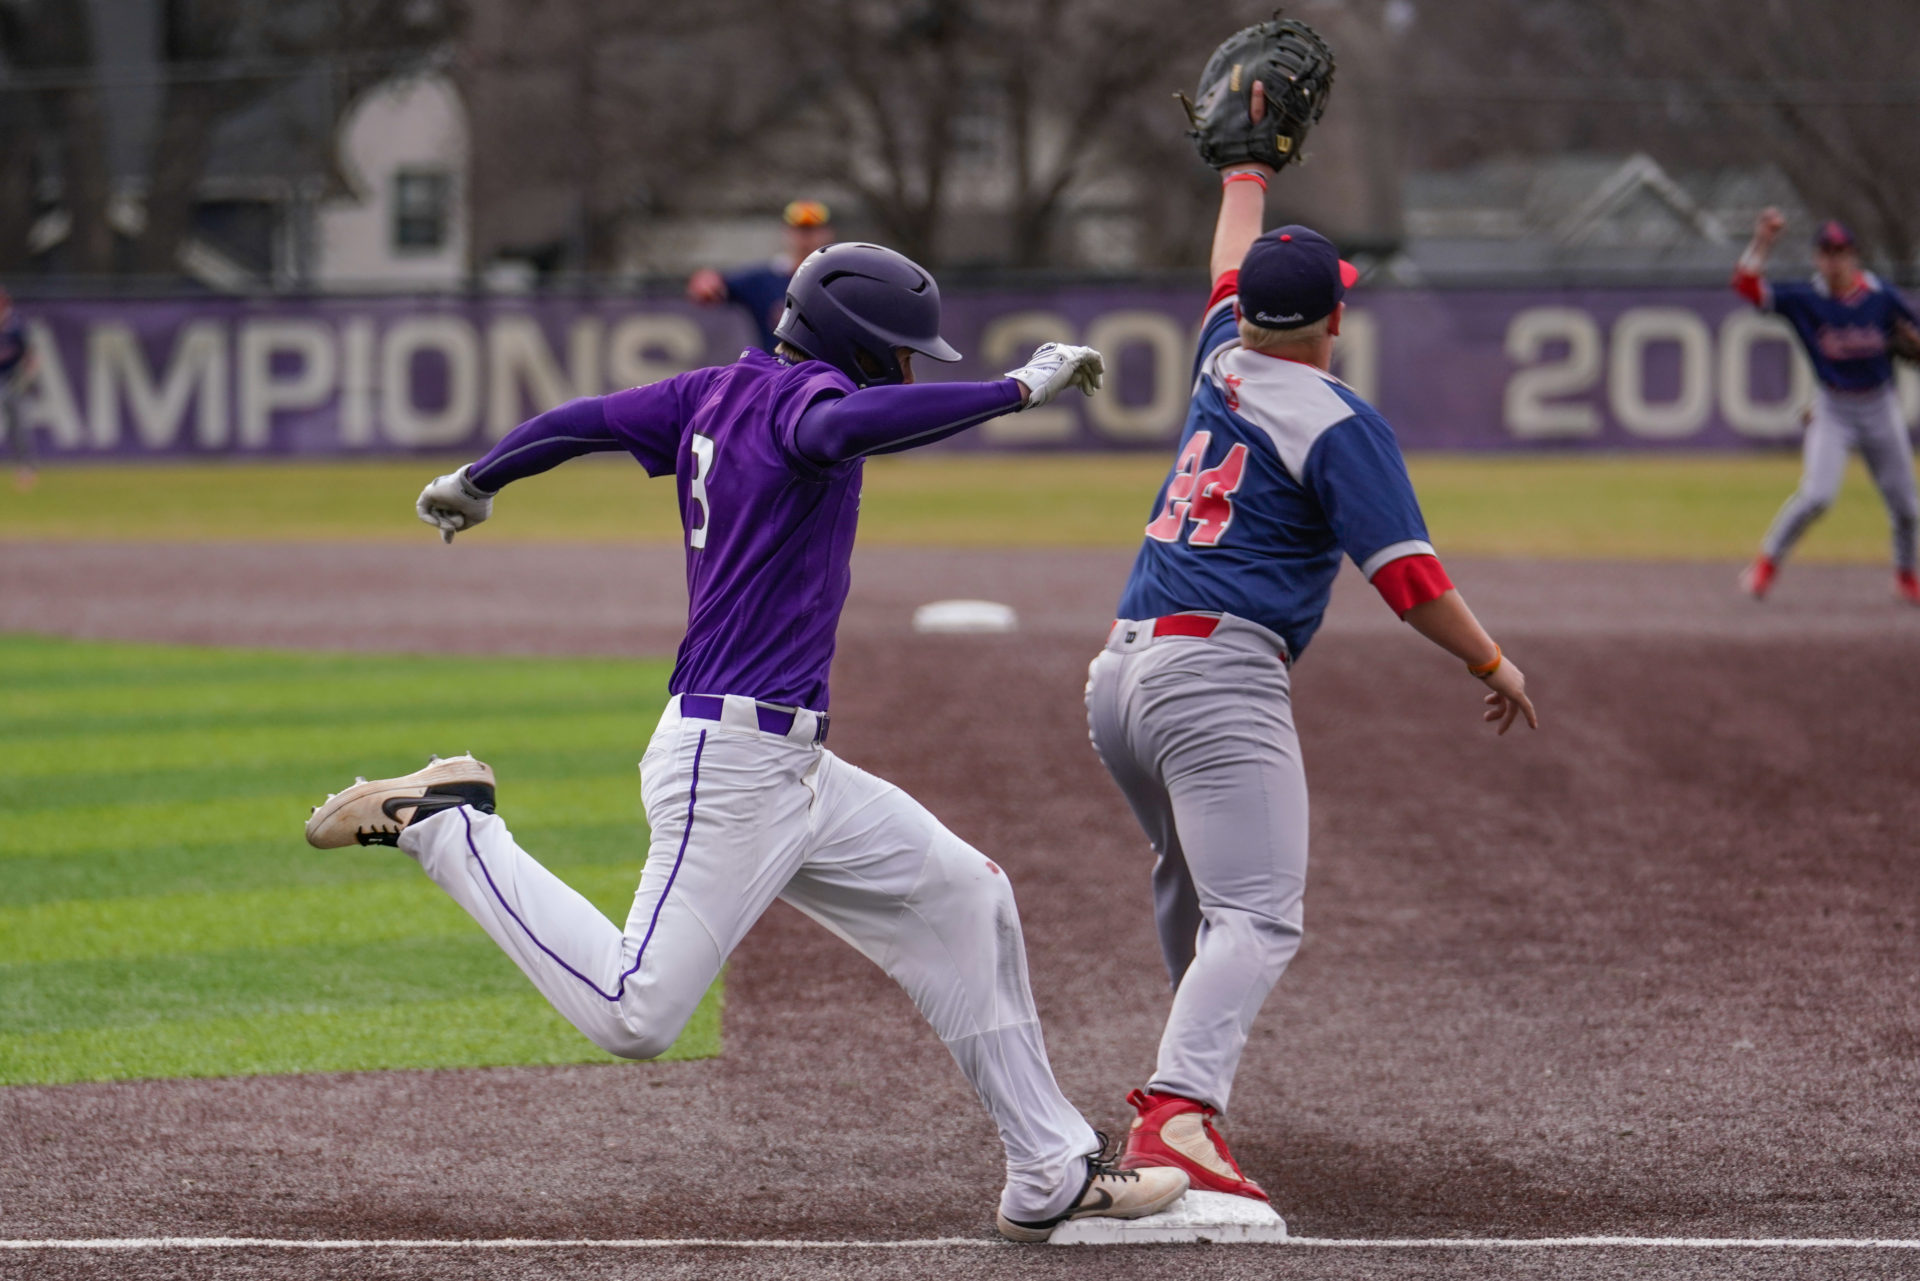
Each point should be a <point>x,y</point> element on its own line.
<point>1651,971</point>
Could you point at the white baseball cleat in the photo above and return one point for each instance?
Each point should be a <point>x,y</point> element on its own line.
<point>1110,1193</point>
<point>374,813</point>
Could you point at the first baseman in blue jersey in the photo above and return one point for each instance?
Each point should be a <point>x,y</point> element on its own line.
<point>1845,319</point>
<point>744,802</point>
<point>1282,472</point>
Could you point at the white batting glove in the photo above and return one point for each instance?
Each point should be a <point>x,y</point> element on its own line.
<point>452,503</point>
<point>1054,367</point>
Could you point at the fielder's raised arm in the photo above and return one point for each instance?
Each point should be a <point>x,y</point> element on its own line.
<point>1748,274</point>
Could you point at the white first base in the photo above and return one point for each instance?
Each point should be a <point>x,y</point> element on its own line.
<point>1198,1218</point>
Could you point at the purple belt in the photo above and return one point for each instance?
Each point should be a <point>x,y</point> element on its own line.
<point>773,720</point>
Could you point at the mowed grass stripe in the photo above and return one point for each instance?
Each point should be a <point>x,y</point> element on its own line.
<point>160,913</point>
<point>78,827</point>
<point>287,916</point>
<point>287,771</point>
<point>355,976</point>
<point>1609,506</point>
<point>297,758</point>
<point>215,698</point>
<point>470,1031</point>
<point>219,867</point>
<point>128,697</point>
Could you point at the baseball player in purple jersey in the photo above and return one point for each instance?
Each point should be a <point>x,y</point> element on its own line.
<point>745,803</point>
<point>1845,318</point>
<point>1281,471</point>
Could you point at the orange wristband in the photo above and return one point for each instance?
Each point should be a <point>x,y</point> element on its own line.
<point>1488,668</point>
<point>1245,175</point>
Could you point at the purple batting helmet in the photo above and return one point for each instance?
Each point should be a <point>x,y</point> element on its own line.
<point>851,305</point>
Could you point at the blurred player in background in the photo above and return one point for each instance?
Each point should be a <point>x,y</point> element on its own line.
<point>16,362</point>
<point>761,289</point>
<point>1281,470</point>
<point>1846,319</point>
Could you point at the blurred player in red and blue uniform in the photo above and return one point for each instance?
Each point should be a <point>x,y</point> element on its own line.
<point>1845,319</point>
<point>761,289</point>
<point>1281,472</point>
<point>16,362</point>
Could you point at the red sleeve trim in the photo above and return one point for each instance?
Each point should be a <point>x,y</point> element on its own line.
<point>1750,286</point>
<point>1411,581</point>
<point>1226,287</point>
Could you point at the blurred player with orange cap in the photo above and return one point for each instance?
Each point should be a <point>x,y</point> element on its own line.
<point>762,288</point>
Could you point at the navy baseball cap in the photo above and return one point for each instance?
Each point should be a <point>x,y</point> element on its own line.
<point>1292,276</point>
<point>1833,234</point>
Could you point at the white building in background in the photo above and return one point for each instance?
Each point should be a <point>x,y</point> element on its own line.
<point>404,152</point>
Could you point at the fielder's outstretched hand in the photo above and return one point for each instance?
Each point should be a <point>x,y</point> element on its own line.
<point>452,503</point>
<point>1508,699</point>
<point>1054,367</point>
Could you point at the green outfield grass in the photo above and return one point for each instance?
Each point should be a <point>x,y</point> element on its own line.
<point>162,915</point>
<point>1609,506</point>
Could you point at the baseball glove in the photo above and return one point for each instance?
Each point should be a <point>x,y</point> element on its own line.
<point>1904,341</point>
<point>1295,69</point>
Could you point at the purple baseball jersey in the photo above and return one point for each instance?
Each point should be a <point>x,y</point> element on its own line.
<point>767,457</point>
<point>769,535</point>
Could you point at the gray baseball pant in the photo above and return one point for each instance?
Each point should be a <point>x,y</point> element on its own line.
<point>1871,423</point>
<point>1198,733</point>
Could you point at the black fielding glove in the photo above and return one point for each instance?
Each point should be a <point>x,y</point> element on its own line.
<point>1295,69</point>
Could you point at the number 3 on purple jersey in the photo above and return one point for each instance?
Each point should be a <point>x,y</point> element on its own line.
<point>1203,497</point>
<point>697,492</point>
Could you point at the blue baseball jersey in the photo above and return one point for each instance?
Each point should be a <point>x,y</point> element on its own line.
<point>1281,469</point>
<point>769,535</point>
<point>762,291</point>
<point>1846,338</point>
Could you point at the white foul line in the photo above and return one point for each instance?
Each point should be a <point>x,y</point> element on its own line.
<point>946,1243</point>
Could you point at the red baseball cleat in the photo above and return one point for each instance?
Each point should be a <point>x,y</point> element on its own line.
<point>1756,578</point>
<point>1907,587</point>
<point>1179,1132</point>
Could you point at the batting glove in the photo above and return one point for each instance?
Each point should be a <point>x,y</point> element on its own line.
<point>453,503</point>
<point>1054,367</point>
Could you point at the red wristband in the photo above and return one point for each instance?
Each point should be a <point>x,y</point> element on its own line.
<point>1245,175</point>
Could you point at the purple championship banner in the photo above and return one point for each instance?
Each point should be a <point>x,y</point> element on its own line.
<point>1458,369</point>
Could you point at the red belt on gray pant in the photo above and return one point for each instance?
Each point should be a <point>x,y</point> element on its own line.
<point>1199,626</point>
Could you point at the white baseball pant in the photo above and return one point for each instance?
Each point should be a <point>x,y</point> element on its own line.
<point>1871,423</point>
<point>741,817</point>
